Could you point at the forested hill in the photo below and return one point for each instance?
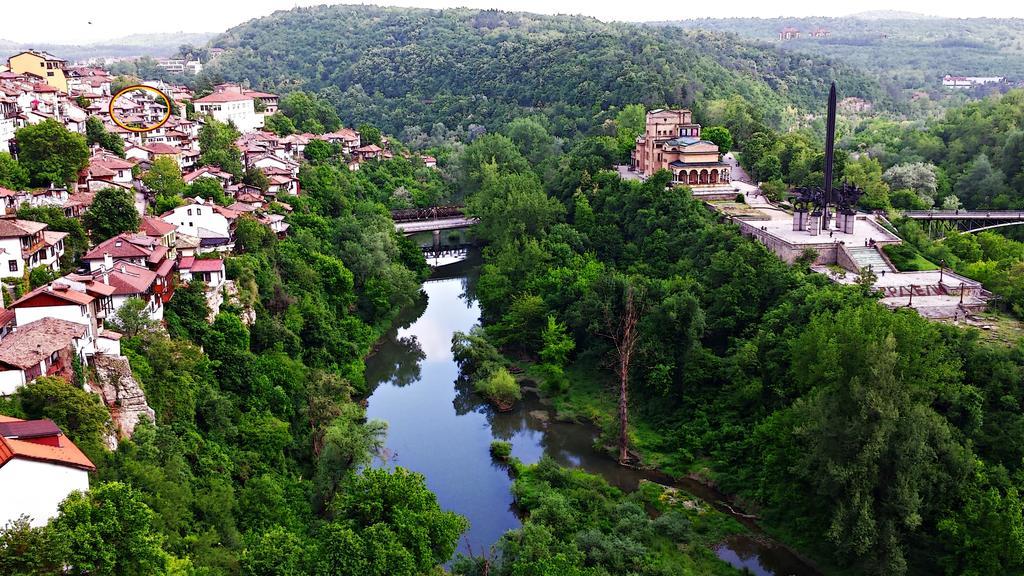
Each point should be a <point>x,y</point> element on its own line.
<point>400,67</point>
<point>911,51</point>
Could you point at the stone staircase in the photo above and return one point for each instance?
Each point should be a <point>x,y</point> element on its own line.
<point>865,256</point>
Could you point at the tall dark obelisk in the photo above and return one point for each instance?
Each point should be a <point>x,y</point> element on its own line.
<point>830,144</point>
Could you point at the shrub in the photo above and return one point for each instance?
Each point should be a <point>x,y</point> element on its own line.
<point>500,387</point>
<point>741,198</point>
<point>501,450</point>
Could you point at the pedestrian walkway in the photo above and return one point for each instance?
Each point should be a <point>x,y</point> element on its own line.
<point>869,257</point>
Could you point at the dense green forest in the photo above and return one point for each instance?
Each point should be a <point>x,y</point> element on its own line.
<point>906,53</point>
<point>876,441</point>
<point>398,68</point>
<point>255,464</point>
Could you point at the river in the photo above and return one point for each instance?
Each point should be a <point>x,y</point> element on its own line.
<point>440,428</point>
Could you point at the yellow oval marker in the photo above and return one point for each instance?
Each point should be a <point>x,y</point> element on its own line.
<point>134,127</point>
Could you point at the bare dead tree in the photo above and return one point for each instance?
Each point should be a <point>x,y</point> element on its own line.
<point>624,334</point>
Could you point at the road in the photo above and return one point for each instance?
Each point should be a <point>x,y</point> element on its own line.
<point>736,172</point>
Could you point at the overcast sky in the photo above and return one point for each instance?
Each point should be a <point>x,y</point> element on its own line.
<point>68,21</point>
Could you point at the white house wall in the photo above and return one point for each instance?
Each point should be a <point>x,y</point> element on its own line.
<point>36,489</point>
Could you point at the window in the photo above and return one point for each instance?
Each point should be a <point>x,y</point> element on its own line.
<point>189,211</point>
<point>190,224</point>
<point>49,73</point>
<point>12,265</point>
<point>199,211</point>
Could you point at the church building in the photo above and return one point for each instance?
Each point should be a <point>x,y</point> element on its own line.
<point>671,141</point>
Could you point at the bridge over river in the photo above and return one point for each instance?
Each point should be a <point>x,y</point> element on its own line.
<point>433,219</point>
<point>941,221</point>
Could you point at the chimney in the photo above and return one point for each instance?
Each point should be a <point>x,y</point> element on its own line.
<point>108,261</point>
<point>106,277</point>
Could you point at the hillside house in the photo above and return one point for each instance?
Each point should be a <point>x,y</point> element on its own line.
<point>210,271</point>
<point>45,347</point>
<point>39,468</point>
<point>25,244</point>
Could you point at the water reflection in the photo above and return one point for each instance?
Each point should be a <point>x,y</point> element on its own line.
<point>438,426</point>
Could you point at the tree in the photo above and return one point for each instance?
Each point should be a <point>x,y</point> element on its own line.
<point>251,235</point>
<point>532,139</point>
<point>131,318</point>
<point>96,133</point>
<point>558,344</point>
<point>866,172</point>
<point>79,414</point>
<point>51,154</point>
<point>310,112</point>
<point>28,551</point>
<point>369,134</point>
<point>319,151</point>
<point>208,188</point>
<point>720,135</point>
<point>279,124</point>
<point>630,123</point>
<point>918,176</point>
<point>164,180</point>
<point>256,178</point>
<point>12,175</point>
<point>348,445</point>
<point>768,168</point>
<point>109,531</point>
<point>217,142</point>
<point>494,149</point>
<point>395,523</point>
<point>40,275</point>
<point>112,212</point>
<point>981,184</point>
<point>867,441</point>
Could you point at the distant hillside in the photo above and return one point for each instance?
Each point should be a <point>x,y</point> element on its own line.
<point>905,50</point>
<point>891,15</point>
<point>399,67</point>
<point>156,45</point>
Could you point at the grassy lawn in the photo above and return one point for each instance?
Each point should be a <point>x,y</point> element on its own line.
<point>907,259</point>
<point>1000,328</point>
<point>741,210</point>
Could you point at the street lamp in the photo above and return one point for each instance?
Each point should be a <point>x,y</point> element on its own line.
<point>942,268</point>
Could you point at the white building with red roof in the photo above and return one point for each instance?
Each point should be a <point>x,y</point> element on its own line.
<point>348,138</point>
<point>200,218</point>
<point>227,104</point>
<point>44,347</point>
<point>107,167</point>
<point>210,270</point>
<point>208,172</point>
<point>39,468</point>
<point>25,244</point>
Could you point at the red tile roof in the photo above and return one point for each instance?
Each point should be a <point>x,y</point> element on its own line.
<point>157,227</point>
<point>205,265</point>
<point>15,228</point>
<point>61,451</point>
<point>55,289</point>
<point>218,97</point>
<point>124,245</point>
<point>161,148</point>
<point>129,279</point>
<point>30,344</point>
